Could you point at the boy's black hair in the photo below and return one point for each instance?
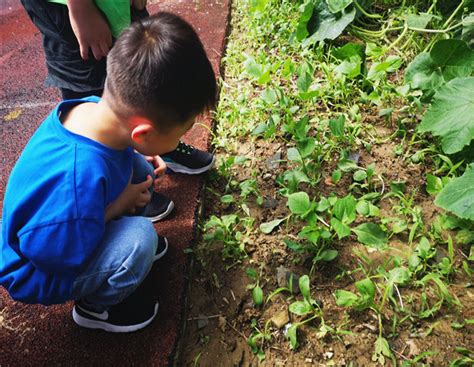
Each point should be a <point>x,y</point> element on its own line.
<point>158,68</point>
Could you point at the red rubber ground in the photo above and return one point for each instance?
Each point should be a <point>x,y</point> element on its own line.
<point>34,335</point>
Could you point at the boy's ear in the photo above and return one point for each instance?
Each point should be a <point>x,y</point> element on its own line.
<point>141,130</point>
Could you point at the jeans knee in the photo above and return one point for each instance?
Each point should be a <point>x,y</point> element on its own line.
<point>143,247</point>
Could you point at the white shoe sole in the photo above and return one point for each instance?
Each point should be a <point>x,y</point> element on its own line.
<point>103,325</point>
<point>179,168</point>
<point>163,215</point>
<point>162,253</point>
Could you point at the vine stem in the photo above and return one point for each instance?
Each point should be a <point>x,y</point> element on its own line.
<point>426,30</point>
<point>448,21</point>
<point>362,10</point>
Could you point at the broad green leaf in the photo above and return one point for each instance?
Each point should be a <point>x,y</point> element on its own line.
<point>371,234</point>
<point>465,237</point>
<point>336,176</point>
<point>342,230</point>
<point>380,69</point>
<point>251,273</point>
<point>306,13</point>
<point>337,126</point>
<point>418,20</point>
<point>451,115</point>
<point>269,96</point>
<point>227,199</point>
<point>345,298</point>
<point>293,154</point>
<point>328,255</point>
<point>359,175</point>
<point>348,51</point>
<point>306,147</point>
<point>399,226</point>
<point>294,178</point>
<point>257,295</point>
<point>458,195</point>
<point>468,30</point>
<point>335,6</point>
<point>253,68</point>
<point>351,67</point>
<point>304,81</point>
<point>366,289</point>
<point>423,73</point>
<point>381,350</point>
<point>352,56</point>
<point>300,308</point>
<point>304,287</point>
<point>398,275</point>
<point>366,286</point>
<point>448,59</point>
<point>454,56</point>
<point>433,184</point>
<point>345,209</point>
<point>295,246</point>
<point>328,25</point>
<point>293,335</point>
<point>299,202</point>
<point>363,208</point>
<point>423,248</point>
<point>268,227</point>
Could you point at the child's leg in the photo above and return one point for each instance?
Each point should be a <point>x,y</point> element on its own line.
<point>66,68</point>
<point>120,264</point>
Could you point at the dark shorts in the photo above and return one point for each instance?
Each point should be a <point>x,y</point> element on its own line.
<point>66,69</point>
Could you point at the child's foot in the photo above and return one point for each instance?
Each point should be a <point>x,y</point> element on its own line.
<point>162,248</point>
<point>159,207</point>
<point>187,159</point>
<point>134,313</point>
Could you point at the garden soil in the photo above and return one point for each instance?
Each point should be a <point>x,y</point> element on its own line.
<point>220,304</point>
<point>34,335</point>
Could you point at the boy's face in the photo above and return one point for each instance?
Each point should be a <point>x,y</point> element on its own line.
<point>149,141</point>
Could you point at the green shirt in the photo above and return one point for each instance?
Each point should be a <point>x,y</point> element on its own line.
<point>116,11</point>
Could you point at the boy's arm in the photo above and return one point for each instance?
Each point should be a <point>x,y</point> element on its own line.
<point>90,27</point>
<point>134,195</point>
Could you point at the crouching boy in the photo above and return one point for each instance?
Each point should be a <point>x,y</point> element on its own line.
<point>69,227</point>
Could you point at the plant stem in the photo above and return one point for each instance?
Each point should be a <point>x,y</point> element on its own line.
<point>448,21</point>
<point>368,15</point>
<point>442,31</point>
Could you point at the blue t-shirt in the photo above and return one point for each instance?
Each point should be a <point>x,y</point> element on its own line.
<point>54,209</point>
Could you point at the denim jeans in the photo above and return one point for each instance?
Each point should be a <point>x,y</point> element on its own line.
<point>123,259</point>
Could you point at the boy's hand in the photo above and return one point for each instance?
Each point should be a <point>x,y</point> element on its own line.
<point>160,168</point>
<point>91,29</point>
<point>134,196</point>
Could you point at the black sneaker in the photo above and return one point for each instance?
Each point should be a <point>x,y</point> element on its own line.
<point>161,248</point>
<point>187,159</point>
<point>134,313</point>
<point>159,207</point>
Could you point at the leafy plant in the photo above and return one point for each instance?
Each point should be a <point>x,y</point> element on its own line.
<point>361,301</point>
<point>448,59</point>
<point>308,306</point>
<point>458,195</point>
<point>450,115</point>
<point>257,292</point>
<point>259,338</point>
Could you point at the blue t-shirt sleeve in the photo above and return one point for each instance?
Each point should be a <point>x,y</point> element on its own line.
<point>62,248</point>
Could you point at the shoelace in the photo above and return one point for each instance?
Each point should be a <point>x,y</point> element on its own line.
<point>184,148</point>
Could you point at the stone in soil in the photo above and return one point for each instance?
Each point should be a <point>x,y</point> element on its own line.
<point>283,278</point>
<point>280,319</point>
